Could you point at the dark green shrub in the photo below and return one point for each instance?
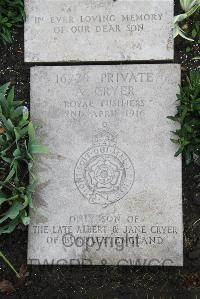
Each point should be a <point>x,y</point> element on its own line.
<point>11,15</point>
<point>188,116</point>
<point>18,145</point>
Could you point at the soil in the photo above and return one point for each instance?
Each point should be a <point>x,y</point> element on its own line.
<point>104,281</point>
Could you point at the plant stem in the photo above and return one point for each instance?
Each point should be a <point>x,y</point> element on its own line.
<point>193,10</point>
<point>9,264</point>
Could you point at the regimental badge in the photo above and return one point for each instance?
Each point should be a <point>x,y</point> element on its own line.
<point>104,174</point>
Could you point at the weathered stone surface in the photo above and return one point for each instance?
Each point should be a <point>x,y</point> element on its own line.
<point>103,30</point>
<point>111,187</point>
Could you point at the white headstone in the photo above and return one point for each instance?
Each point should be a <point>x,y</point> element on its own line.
<point>98,30</point>
<point>111,188</point>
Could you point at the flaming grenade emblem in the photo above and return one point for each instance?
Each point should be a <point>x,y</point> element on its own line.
<point>104,174</point>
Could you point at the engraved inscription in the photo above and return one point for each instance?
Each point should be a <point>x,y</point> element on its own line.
<point>104,174</point>
<point>99,23</point>
<point>105,30</point>
<point>112,191</point>
<point>116,92</point>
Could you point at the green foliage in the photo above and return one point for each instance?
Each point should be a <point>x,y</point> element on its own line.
<point>188,116</point>
<point>18,144</point>
<point>11,15</point>
<point>190,7</point>
<point>187,5</point>
<point>4,258</point>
